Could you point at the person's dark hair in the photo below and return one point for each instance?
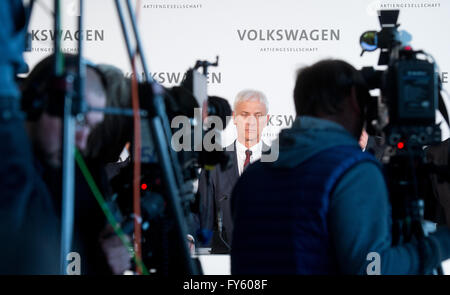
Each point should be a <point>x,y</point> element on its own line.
<point>37,89</point>
<point>322,87</point>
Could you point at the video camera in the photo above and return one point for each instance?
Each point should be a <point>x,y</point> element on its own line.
<point>404,117</point>
<point>410,88</point>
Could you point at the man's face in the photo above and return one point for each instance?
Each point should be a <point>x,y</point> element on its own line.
<point>250,118</point>
<point>48,132</point>
<point>90,120</point>
<point>47,139</point>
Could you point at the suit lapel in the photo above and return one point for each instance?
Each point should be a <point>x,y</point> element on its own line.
<point>233,173</point>
<point>235,170</point>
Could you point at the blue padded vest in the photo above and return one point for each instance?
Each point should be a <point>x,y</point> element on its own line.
<point>281,214</point>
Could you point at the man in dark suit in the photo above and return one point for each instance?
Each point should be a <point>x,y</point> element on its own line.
<point>250,116</point>
<point>437,205</point>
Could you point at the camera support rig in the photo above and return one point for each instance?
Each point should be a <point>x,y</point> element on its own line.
<point>405,115</point>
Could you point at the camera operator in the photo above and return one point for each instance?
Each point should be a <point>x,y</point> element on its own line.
<point>100,250</point>
<point>105,144</point>
<point>323,207</point>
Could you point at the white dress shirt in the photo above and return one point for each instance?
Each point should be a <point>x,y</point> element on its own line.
<point>240,153</point>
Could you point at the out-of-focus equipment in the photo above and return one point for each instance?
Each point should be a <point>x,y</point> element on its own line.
<point>404,115</point>
<point>159,214</point>
<point>161,247</point>
<point>166,176</point>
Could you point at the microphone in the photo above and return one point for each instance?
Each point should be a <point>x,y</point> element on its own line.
<point>220,222</point>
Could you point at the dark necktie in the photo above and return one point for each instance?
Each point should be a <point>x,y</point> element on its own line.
<point>248,153</point>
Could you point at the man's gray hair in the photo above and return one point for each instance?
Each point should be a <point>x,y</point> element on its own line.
<point>251,95</point>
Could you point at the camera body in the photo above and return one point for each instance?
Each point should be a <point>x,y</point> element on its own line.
<point>405,112</point>
<point>404,116</point>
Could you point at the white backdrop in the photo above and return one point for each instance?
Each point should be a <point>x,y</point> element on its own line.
<point>176,33</point>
